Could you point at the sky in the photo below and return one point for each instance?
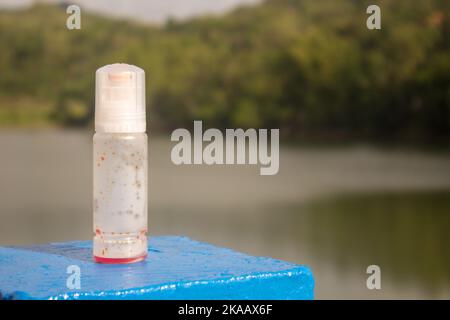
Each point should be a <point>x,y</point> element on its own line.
<point>150,11</point>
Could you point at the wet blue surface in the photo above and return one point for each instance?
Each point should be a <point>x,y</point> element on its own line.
<point>176,268</point>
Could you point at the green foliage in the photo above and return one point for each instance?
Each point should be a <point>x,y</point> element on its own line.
<point>307,67</point>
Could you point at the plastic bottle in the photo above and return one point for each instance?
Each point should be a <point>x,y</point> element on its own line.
<point>120,165</point>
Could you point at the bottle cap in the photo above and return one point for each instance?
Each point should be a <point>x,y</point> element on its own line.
<point>120,98</point>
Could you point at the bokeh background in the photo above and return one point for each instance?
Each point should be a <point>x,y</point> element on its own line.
<point>364,118</point>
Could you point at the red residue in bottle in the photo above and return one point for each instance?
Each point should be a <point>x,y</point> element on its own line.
<point>119,260</point>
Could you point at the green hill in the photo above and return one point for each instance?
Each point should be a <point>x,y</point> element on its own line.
<point>311,68</point>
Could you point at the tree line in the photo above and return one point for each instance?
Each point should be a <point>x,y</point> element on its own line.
<point>310,68</point>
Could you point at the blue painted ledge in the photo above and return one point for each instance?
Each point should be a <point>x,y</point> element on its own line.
<point>176,268</point>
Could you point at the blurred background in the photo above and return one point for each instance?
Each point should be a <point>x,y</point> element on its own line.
<point>364,118</point>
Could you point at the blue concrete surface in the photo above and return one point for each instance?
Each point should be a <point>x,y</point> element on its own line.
<point>176,268</point>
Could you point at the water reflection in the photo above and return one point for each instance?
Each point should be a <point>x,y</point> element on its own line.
<point>406,234</point>
<point>297,215</point>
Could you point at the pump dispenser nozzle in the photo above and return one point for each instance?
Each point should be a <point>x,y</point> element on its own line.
<point>120,99</point>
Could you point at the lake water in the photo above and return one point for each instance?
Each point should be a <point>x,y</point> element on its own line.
<point>336,209</point>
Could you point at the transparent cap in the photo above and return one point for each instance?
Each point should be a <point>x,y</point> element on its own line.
<point>120,98</point>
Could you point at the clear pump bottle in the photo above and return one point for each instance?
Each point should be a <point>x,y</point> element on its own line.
<point>120,165</point>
